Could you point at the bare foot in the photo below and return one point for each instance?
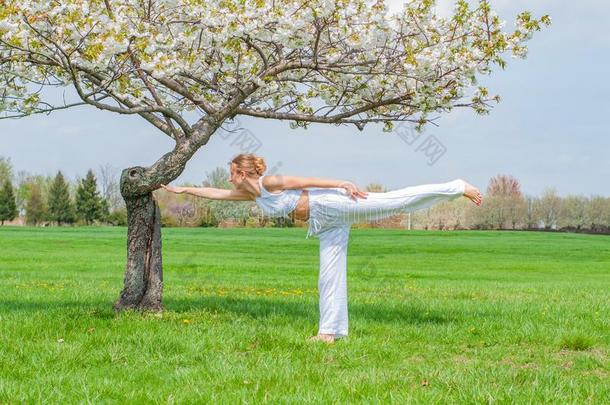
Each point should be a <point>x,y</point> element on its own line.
<point>473,194</point>
<point>322,337</point>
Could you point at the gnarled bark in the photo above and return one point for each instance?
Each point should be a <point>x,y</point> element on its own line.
<point>144,270</point>
<point>143,286</point>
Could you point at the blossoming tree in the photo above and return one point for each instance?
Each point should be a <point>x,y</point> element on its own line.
<point>325,61</point>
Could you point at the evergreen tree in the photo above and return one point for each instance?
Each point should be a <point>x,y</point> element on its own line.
<point>35,210</point>
<point>89,205</point>
<point>105,210</point>
<point>61,208</point>
<point>8,206</point>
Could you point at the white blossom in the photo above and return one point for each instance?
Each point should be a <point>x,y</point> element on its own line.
<point>429,58</point>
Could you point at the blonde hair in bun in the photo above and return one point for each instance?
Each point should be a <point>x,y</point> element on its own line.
<point>250,163</point>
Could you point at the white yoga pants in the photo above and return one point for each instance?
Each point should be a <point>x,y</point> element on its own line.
<point>332,212</point>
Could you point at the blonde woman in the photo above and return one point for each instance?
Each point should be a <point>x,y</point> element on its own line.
<point>329,207</point>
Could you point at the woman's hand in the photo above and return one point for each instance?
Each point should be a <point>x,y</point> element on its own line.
<point>171,189</point>
<point>352,190</point>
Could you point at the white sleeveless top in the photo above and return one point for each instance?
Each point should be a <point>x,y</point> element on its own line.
<point>277,204</point>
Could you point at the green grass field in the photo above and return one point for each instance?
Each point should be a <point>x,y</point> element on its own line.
<point>435,317</point>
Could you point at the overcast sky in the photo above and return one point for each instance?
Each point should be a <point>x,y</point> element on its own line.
<point>548,131</point>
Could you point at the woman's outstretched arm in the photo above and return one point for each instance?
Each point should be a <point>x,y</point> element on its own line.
<point>280,182</point>
<point>210,193</point>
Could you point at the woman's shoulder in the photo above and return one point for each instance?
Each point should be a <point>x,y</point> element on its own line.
<point>278,182</point>
<point>272,183</point>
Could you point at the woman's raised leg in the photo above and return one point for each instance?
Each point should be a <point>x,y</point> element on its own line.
<point>382,205</point>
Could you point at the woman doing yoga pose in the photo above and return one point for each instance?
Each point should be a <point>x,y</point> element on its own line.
<point>330,207</point>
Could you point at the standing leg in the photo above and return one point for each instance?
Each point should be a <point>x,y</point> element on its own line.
<point>332,282</point>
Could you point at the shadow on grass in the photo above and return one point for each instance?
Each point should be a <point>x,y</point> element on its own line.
<point>264,308</point>
<point>256,308</point>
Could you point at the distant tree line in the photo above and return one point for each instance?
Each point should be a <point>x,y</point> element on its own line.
<point>505,207</point>
<point>53,200</point>
<point>57,201</point>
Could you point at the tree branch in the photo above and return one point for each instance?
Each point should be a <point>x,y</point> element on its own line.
<point>177,135</point>
<point>43,111</point>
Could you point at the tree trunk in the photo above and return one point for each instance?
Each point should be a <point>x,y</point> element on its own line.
<point>143,286</point>
<point>144,270</point>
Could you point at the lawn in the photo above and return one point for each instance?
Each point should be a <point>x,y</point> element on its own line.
<point>435,317</point>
